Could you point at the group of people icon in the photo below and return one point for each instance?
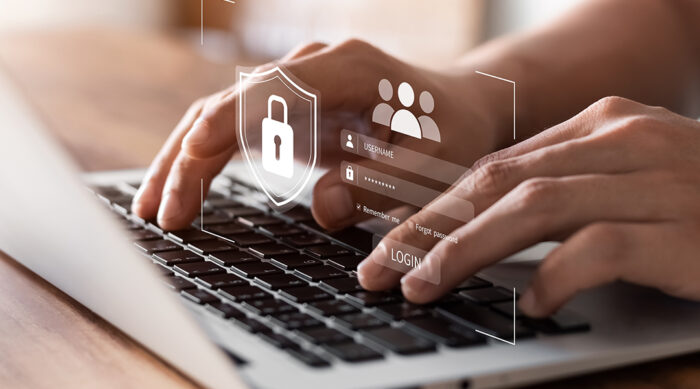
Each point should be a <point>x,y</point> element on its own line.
<point>403,120</point>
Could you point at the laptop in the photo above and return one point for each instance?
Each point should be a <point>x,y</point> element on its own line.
<point>275,302</point>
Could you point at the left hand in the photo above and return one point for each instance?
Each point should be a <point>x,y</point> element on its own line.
<point>619,184</point>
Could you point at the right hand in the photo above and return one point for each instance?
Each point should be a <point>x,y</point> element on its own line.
<point>346,76</point>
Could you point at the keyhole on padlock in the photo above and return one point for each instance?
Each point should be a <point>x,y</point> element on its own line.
<point>278,142</point>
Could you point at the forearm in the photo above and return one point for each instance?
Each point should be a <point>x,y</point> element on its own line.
<point>639,49</point>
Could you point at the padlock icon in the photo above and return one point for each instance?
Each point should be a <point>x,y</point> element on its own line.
<point>349,173</point>
<point>277,142</point>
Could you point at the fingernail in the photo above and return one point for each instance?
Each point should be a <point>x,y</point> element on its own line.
<point>412,286</point>
<point>170,208</point>
<point>142,199</point>
<point>337,203</point>
<point>372,268</point>
<point>528,303</point>
<point>199,134</point>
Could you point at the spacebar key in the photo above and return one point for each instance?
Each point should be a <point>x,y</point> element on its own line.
<point>483,319</point>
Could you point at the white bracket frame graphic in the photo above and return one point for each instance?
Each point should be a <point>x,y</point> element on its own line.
<point>497,338</point>
<point>509,81</point>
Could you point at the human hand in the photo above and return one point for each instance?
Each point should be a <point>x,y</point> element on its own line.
<point>346,77</point>
<point>618,184</point>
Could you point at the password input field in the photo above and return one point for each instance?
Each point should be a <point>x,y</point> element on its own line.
<point>407,192</point>
<point>401,157</point>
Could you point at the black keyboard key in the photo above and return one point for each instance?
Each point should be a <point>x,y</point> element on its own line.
<point>358,321</point>
<point>216,281</point>
<point>294,320</point>
<point>305,294</point>
<point>227,229</point>
<point>243,293</point>
<point>562,322</point>
<point>308,357</point>
<point>305,240</point>
<point>251,325</point>
<point>234,212</point>
<point>268,306</point>
<point>222,202</point>
<point>328,251</point>
<point>253,269</point>
<point>281,230</point>
<point>232,257</point>
<point>178,283</point>
<point>352,352</point>
<point>196,269</point>
<point>157,246</point>
<point>210,246</point>
<point>279,281</point>
<point>403,310</point>
<point>355,237</point>
<point>271,250</point>
<point>299,214</point>
<point>341,285</point>
<point>317,273</point>
<point>506,308</point>
<point>249,239</point>
<point>259,220</point>
<point>399,341</point>
<point>481,318</point>
<point>323,335</point>
<point>278,340</point>
<point>142,234</point>
<point>331,307</point>
<point>473,283</point>
<point>294,261</point>
<point>488,295</point>
<point>189,236</point>
<point>198,296</point>
<point>170,258</point>
<point>225,311</point>
<point>210,220</point>
<point>346,263</point>
<point>372,299</point>
<point>444,332</point>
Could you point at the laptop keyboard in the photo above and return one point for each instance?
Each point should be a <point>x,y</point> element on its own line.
<point>281,277</point>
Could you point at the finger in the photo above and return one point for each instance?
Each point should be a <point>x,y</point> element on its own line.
<point>148,197</point>
<point>598,254</point>
<point>316,65</point>
<point>494,180</point>
<point>584,123</point>
<point>181,192</point>
<point>337,203</point>
<point>304,49</point>
<point>215,129</point>
<point>531,213</point>
<point>374,272</point>
<point>589,155</point>
<point>418,234</point>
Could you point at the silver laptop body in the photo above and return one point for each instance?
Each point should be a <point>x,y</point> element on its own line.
<point>54,226</point>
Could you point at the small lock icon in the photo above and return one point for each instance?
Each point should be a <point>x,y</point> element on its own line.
<point>349,173</point>
<point>277,142</point>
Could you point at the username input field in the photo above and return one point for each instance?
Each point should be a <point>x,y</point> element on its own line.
<point>401,157</point>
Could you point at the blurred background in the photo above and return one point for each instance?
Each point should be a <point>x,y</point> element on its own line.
<point>111,78</point>
<point>268,28</point>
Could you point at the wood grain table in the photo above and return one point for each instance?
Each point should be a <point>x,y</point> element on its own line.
<point>111,98</point>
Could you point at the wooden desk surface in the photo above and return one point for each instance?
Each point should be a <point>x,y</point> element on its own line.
<point>111,98</point>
